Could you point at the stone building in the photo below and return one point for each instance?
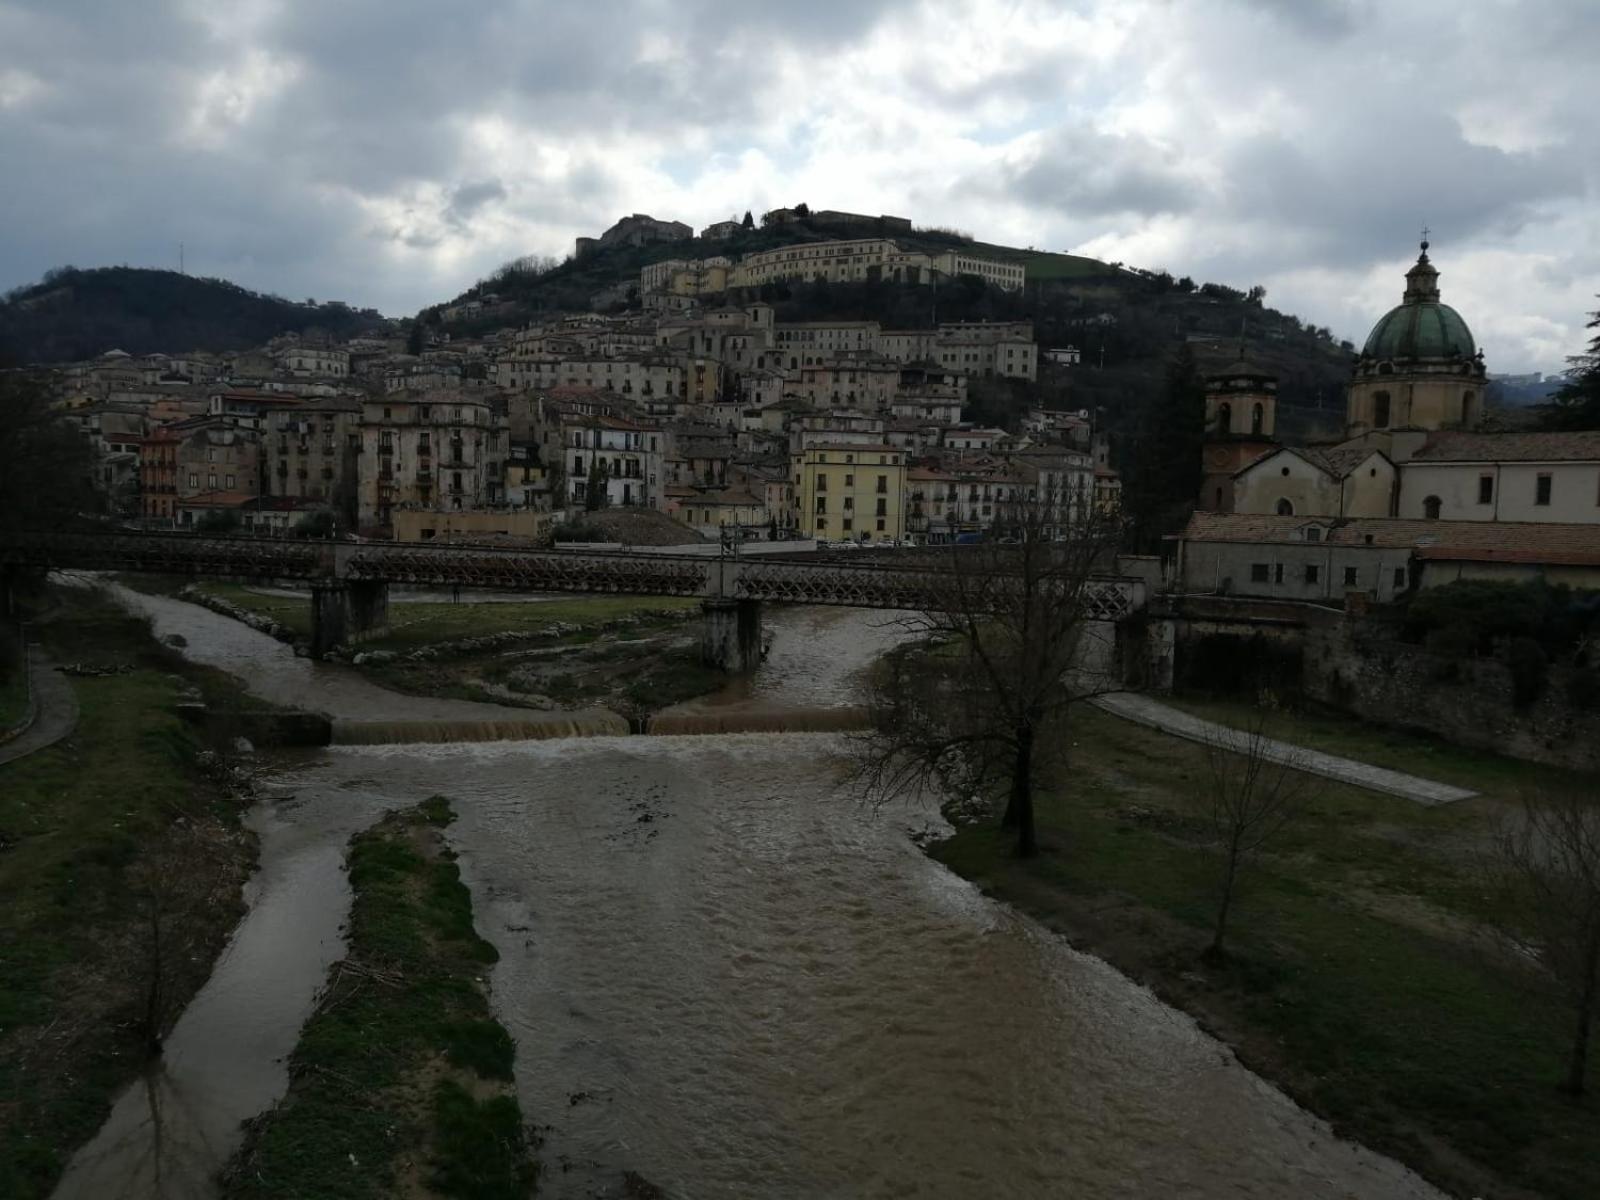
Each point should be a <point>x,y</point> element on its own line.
<point>1552,478</point>
<point>1313,481</point>
<point>1241,426</point>
<point>443,452</point>
<point>313,453</point>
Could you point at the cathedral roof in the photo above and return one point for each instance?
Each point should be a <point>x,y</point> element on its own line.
<point>1420,326</point>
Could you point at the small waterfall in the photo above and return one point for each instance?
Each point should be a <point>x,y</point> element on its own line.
<point>692,719</point>
<point>593,722</point>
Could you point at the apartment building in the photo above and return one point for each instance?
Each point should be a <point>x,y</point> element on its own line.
<point>620,457</point>
<point>313,453</point>
<point>847,492</point>
<point>323,362</point>
<point>442,451</point>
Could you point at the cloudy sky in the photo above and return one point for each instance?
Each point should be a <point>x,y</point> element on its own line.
<point>389,152</point>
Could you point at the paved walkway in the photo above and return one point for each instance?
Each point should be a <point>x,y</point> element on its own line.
<point>56,710</point>
<point>1147,711</point>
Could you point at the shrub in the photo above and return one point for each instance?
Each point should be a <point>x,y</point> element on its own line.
<point>1525,658</point>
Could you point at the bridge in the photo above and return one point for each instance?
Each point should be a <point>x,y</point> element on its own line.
<point>350,580</point>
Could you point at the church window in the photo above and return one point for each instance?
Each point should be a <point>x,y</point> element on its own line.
<point>1350,577</point>
<point>1430,508</point>
<point>1541,493</point>
<point>1485,489</point>
<point>1224,418</point>
<point>1285,507</point>
<point>1313,573</point>
<point>1256,417</point>
<point>1258,572</point>
<point>1380,410</point>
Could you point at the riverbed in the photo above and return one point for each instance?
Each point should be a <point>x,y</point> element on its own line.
<point>726,973</point>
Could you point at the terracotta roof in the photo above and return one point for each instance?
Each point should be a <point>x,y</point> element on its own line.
<point>1511,447</point>
<point>1334,461</point>
<point>1479,541</point>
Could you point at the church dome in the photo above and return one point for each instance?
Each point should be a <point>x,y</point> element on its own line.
<point>1420,326</point>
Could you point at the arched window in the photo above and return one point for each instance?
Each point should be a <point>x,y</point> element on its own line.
<point>1224,417</point>
<point>1285,507</point>
<point>1467,398</point>
<point>1430,508</point>
<point>1380,410</point>
<point>1256,416</point>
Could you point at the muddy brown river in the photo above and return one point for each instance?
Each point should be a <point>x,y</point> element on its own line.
<point>725,973</point>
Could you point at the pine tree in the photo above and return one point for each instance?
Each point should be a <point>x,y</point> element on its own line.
<point>1577,404</point>
<point>1164,464</point>
<point>749,221</point>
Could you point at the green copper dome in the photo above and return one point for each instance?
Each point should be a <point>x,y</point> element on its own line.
<point>1422,326</point>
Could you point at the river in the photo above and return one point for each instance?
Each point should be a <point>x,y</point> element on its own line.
<point>725,973</point>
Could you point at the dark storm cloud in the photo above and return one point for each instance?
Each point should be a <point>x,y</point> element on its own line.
<point>1083,172</point>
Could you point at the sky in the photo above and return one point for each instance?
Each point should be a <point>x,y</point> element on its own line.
<point>391,152</point>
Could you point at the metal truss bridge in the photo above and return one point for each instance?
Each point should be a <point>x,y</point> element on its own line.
<point>875,584</point>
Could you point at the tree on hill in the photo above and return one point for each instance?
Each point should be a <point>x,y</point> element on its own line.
<point>749,222</point>
<point>45,462</point>
<point>1163,467</point>
<point>1577,404</point>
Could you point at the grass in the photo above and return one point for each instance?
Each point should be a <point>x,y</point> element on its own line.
<point>75,819</point>
<point>1352,978</point>
<point>1416,753</point>
<point>400,1084</point>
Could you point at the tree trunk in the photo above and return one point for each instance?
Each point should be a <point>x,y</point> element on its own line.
<point>1215,951</point>
<point>1020,809</point>
<point>1577,1068</point>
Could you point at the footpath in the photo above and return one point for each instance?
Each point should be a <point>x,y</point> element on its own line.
<point>1143,710</point>
<point>55,710</point>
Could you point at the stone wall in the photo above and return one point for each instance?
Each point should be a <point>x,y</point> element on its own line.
<point>1468,701</point>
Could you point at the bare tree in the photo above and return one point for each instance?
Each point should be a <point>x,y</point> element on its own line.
<point>1021,631</point>
<point>1549,866</point>
<point>1254,789</point>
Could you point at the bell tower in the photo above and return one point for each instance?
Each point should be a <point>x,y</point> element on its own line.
<point>1241,426</point>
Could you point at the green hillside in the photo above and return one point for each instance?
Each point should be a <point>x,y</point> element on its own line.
<point>74,314</point>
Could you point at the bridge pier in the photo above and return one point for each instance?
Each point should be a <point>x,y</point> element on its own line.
<point>340,610</point>
<point>730,637</point>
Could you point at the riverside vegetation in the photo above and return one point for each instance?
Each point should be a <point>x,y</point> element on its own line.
<point>101,942</point>
<point>401,1082</point>
<point>632,654</point>
<point>1359,973</point>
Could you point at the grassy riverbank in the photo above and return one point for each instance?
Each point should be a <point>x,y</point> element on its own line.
<point>401,1082</point>
<point>130,815</point>
<point>1357,979</point>
<point>633,654</point>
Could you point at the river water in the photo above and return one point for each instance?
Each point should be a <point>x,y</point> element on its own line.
<point>725,973</point>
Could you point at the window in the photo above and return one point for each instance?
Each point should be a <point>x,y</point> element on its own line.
<point>848,524</point>
<point>194,480</point>
<point>1430,508</point>
<point>1380,410</point>
<point>1224,417</point>
<point>883,508</point>
<point>880,526</point>
<point>849,481</point>
<point>1485,489</point>
<point>822,522</point>
<point>230,483</point>
<point>1350,577</point>
<point>1277,573</point>
<point>1313,534</point>
<point>1541,491</point>
<point>1399,579</point>
<point>1285,507</point>
<point>883,484</point>
<point>1258,572</point>
<point>1256,419</point>
<point>849,503</point>
<point>822,504</point>
<point>1313,572</point>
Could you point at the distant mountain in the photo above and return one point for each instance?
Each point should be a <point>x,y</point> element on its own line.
<point>74,314</point>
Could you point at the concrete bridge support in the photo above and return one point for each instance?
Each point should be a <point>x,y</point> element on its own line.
<point>731,634</point>
<point>340,611</point>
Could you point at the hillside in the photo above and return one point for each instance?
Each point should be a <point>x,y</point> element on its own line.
<point>1126,322</point>
<point>75,314</point>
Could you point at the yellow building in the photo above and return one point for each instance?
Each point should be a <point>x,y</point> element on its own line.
<point>848,492</point>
